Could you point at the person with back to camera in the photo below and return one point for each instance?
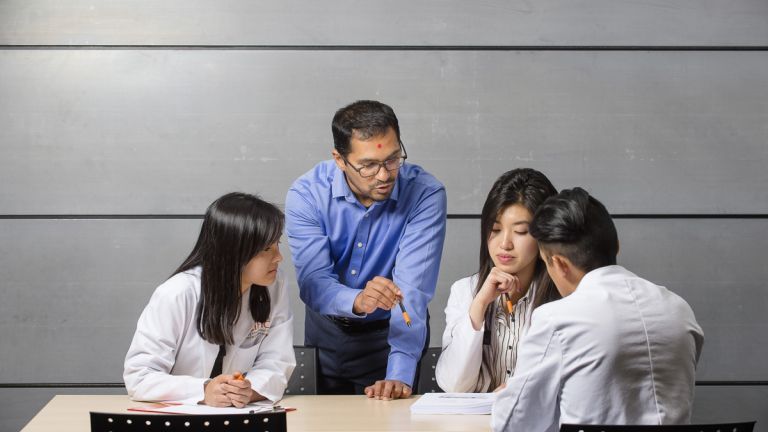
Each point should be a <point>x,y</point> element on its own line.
<point>616,349</point>
<point>488,313</point>
<point>224,312</point>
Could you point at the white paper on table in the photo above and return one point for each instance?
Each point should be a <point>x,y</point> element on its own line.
<point>185,408</point>
<point>454,403</point>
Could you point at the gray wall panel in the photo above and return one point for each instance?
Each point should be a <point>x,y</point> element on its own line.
<point>73,290</point>
<point>731,404</point>
<point>76,288</point>
<point>132,131</point>
<point>402,22</point>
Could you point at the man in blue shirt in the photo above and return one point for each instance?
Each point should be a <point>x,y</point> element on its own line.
<point>366,233</point>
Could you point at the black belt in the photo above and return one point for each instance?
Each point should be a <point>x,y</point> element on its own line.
<point>353,326</point>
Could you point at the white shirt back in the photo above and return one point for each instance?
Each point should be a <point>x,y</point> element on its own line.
<point>619,350</point>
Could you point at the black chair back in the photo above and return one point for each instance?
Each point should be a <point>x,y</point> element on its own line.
<point>427,382</point>
<point>273,421</point>
<point>304,378</point>
<point>720,427</point>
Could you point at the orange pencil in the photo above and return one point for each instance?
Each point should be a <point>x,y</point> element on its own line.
<point>510,306</point>
<point>405,314</point>
<point>238,376</point>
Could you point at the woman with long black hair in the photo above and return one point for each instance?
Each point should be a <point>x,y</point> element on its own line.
<point>487,313</point>
<point>225,311</point>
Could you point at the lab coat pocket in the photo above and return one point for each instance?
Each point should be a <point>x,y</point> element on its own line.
<point>257,334</point>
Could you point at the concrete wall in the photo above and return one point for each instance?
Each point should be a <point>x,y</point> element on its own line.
<point>120,122</point>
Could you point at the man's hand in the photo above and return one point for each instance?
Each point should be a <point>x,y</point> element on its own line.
<point>378,293</point>
<point>388,390</point>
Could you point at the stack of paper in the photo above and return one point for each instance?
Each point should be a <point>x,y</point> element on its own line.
<point>454,403</point>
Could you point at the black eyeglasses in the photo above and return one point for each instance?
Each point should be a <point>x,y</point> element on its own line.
<point>371,169</point>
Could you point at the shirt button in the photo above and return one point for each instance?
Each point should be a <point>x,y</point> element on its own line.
<point>359,244</point>
<point>354,272</point>
<point>365,215</point>
<point>509,372</point>
<point>509,347</point>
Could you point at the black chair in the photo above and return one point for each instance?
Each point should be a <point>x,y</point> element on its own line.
<point>304,378</point>
<point>721,427</point>
<point>273,421</point>
<point>427,382</point>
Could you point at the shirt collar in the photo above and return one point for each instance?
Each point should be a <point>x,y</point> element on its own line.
<point>501,300</point>
<point>531,290</point>
<point>595,276</point>
<point>340,187</point>
<point>396,188</point>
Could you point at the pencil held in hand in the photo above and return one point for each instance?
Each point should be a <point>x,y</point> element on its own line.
<point>405,314</point>
<point>238,376</point>
<point>510,306</point>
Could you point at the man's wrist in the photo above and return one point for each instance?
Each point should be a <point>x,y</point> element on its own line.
<point>343,303</point>
<point>355,306</point>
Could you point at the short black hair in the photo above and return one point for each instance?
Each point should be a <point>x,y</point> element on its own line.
<point>577,226</point>
<point>366,118</point>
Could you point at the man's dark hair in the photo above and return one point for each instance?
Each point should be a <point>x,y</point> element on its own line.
<point>577,226</point>
<point>365,119</point>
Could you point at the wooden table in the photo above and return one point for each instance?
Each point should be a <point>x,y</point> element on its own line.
<point>69,413</point>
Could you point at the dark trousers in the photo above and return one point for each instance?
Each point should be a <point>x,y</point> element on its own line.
<point>350,357</point>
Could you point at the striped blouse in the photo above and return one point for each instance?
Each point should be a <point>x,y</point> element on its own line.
<point>509,330</point>
<point>460,367</point>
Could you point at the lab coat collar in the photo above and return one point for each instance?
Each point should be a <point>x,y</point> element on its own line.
<point>594,277</point>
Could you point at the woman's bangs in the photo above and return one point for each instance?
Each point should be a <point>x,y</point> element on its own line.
<point>262,231</point>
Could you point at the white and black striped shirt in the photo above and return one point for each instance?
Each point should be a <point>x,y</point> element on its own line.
<point>509,330</point>
<point>460,367</point>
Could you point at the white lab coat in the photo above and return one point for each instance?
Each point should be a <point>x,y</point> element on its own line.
<point>168,360</point>
<point>618,350</point>
<point>459,366</point>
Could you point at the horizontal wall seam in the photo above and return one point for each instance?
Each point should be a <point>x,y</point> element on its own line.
<point>450,216</point>
<point>655,216</point>
<point>102,216</point>
<point>121,385</point>
<point>390,47</point>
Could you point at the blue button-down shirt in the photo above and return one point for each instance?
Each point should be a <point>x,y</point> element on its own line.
<point>338,245</point>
